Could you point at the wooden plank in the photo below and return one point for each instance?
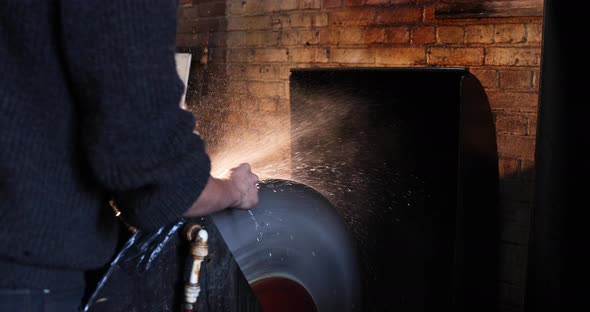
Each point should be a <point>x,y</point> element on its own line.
<point>489,8</point>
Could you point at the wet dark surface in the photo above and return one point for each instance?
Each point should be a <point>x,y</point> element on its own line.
<point>150,272</point>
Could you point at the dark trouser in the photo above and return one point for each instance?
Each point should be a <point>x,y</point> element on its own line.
<point>39,300</point>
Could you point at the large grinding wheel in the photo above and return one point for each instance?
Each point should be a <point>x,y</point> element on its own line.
<point>293,248</point>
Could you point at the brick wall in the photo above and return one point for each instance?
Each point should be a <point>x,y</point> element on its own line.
<point>244,50</point>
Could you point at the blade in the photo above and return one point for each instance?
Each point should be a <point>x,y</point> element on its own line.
<point>295,233</point>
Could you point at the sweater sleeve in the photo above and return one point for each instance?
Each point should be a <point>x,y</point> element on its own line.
<point>140,145</point>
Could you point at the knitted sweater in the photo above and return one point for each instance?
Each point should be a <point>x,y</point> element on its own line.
<point>89,110</point>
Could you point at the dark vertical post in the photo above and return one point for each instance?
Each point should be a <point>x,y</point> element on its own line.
<point>558,240</point>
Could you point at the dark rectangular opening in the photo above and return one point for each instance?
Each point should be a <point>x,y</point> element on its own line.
<point>392,149</point>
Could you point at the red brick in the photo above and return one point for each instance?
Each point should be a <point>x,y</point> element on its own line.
<point>311,4</point>
<point>509,33</point>
<point>234,71</point>
<point>536,76</point>
<point>332,4</point>
<point>308,20</point>
<point>351,36</point>
<point>187,40</point>
<point>259,7</point>
<point>534,33</point>
<point>508,168</point>
<point>398,15</point>
<point>235,119</point>
<point>185,2</point>
<point>199,26</point>
<point>370,16</point>
<point>255,7</point>
<point>267,104</point>
<point>513,101</point>
<point>223,70</point>
<point>266,89</point>
<point>271,55</point>
<point>352,17</point>
<point>513,56</point>
<point>241,55</point>
<point>330,36</point>
<point>374,35</point>
<point>400,56</point>
<point>450,34</point>
<point>264,39</point>
<point>527,170</point>
<point>479,33</point>
<point>428,14</point>
<point>397,35</point>
<point>423,35</point>
<point>217,55</point>
<point>218,39</point>
<point>211,9</point>
<point>307,55</point>
<point>322,55</point>
<point>302,55</point>
<point>515,146</point>
<point>351,3</point>
<point>487,77</point>
<point>236,7</point>
<point>360,36</point>
<point>515,79</point>
<point>286,5</point>
<point>249,23</point>
<point>352,56</point>
<point>532,127</point>
<point>243,39</point>
<point>280,21</point>
<point>511,124</point>
<point>309,37</point>
<point>376,2</point>
<point>288,38</point>
<point>456,56</point>
<point>248,104</point>
<point>285,71</point>
<point>189,13</point>
<point>283,106</point>
<point>262,72</point>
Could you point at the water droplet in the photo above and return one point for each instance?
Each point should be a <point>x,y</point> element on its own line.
<point>313,253</point>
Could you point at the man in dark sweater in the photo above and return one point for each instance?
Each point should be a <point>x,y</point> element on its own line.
<point>89,110</point>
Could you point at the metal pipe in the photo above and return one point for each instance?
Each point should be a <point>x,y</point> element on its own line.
<point>199,250</point>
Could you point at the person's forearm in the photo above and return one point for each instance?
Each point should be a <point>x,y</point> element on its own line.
<point>217,195</point>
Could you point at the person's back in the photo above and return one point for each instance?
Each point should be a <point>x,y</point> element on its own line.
<point>89,108</point>
<point>51,213</point>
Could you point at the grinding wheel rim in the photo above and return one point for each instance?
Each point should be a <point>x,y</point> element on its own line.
<point>295,233</point>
